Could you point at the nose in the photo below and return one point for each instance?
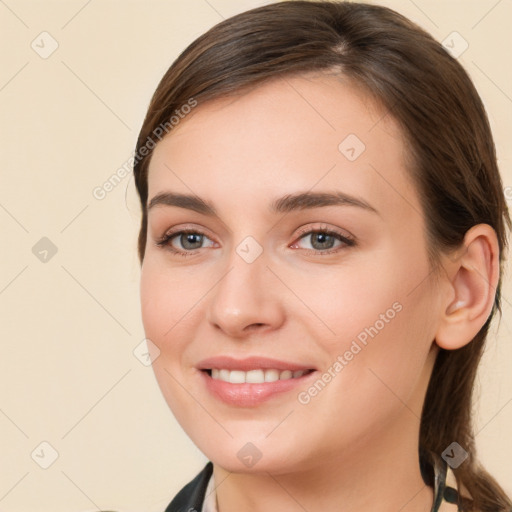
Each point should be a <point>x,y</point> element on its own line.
<point>246,300</point>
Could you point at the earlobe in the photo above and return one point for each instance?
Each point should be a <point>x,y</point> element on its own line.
<point>473,278</point>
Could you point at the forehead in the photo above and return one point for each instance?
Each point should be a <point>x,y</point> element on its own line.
<point>290,134</point>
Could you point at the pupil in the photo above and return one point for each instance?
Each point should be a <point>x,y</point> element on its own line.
<point>191,239</point>
<point>324,239</point>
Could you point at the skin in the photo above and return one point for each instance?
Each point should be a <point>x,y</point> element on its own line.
<point>355,442</point>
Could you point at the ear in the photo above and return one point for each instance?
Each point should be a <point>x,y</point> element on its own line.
<point>472,280</point>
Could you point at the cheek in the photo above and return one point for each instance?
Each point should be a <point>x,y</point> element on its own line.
<point>166,293</point>
<point>172,304</point>
<point>164,303</point>
<point>352,299</point>
<point>167,310</point>
<point>381,319</point>
<point>154,302</point>
<point>381,366</point>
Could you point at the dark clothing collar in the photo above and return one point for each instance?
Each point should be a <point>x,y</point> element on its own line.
<point>192,496</point>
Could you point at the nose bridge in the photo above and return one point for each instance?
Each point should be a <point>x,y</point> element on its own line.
<point>244,296</point>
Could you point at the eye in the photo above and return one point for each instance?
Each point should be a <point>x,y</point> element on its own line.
<point>323,240</point>
<point>184,242</point>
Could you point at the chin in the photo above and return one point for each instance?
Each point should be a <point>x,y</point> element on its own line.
<point>240,455</point>
<point>273,464</point>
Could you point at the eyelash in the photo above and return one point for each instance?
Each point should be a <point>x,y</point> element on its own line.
<point>164,241</point>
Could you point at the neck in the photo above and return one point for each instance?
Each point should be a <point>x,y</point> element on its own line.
<point>382,475</point>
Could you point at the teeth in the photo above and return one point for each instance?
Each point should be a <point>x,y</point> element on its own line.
<point>254,376</point>
<point>271,375</point>
<point>236,377</point>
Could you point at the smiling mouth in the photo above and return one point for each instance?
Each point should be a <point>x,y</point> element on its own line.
<point>256,376</point>
<point>257,383</point>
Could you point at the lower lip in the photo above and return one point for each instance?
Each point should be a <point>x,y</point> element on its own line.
<point>251,395</point>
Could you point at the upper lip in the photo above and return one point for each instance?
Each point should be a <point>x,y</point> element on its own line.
<point>249,363</point>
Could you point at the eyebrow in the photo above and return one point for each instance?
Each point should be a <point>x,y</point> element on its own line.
<point>285,204</point>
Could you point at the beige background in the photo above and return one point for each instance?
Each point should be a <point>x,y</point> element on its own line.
<point>68,374</point>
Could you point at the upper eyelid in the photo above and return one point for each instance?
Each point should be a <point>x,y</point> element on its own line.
<point>323,228</point>
<point>302,231</point>
<point>192,229</point>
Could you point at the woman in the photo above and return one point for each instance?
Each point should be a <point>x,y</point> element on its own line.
<point>322,236</point>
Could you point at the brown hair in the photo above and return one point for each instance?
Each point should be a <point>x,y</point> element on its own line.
<point>452,154</point>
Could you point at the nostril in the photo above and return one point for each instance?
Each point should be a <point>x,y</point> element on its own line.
<point>255,326</point>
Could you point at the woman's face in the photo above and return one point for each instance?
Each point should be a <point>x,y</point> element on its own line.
<point>305,261</point>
